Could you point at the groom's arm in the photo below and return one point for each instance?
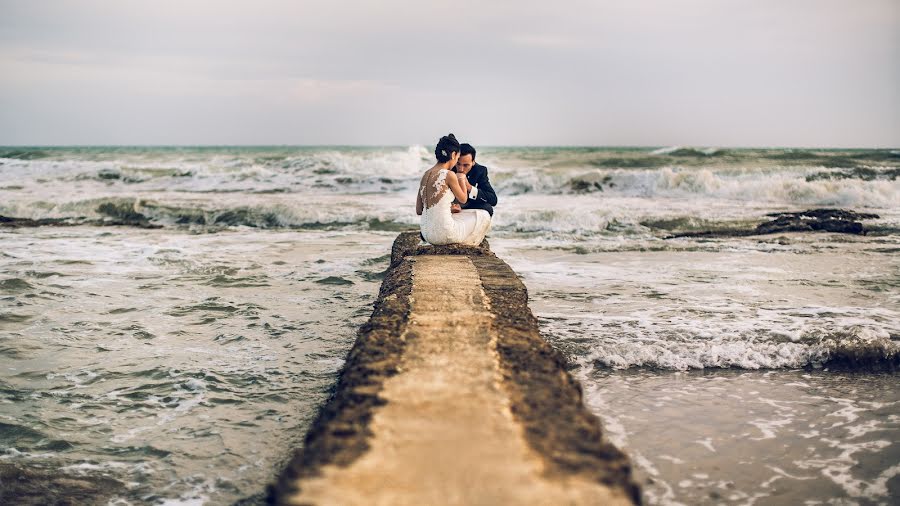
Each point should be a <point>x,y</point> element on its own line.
<point>484,191</point>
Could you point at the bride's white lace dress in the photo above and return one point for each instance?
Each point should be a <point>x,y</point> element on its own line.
<point>439,225</point>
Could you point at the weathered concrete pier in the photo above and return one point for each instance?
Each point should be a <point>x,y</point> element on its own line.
<point>450,396</point>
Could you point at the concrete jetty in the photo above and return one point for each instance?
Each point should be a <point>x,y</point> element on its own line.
<point>450,396</point>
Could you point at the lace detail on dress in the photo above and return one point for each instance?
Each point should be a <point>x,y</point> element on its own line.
<point>433,187</point>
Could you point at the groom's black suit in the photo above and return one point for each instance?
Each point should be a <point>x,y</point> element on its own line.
<point>486,198</point>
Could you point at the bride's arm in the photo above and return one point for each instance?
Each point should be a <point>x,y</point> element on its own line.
<point>419,204</point>
<point>458,191</point>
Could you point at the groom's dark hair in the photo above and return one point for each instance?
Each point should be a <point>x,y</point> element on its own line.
<point>467,149</point>
<point>445,148</point>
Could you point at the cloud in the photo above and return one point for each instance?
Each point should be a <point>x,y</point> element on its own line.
<point>572,71</point>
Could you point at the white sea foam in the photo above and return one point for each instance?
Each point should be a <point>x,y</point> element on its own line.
<point>784,187</point>
<point>779,187</point>
<point>86,467</point>
<point>724,344</point>
<point>769,428</point>
<point>178,185</point>
<point>298,171</point>
<point>706,443</point>
<point>746,309</point>
<point>840,468</point>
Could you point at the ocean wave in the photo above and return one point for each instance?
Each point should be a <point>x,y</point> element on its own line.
<point>554,220</point>
<point>288,170</point>
<point>873,188</point>
<point>142,212</point>
<point>580,222</point>
<point>23,154</point>
<point>374,188</point>
<point>785,188</point>
<point>393,216</point>
<point>863,173</point>
<point>843,178</point>
<point>857,347</point>
<point>689,151</point>
<point>843,158</point>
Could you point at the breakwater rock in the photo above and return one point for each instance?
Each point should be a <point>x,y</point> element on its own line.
<point>814,220</point>
<point>451,396</point>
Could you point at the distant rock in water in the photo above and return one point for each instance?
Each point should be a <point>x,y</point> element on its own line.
<point>109,174</point>
<point>814,220</point>
<point>825,220</point>
<point>334,280</point>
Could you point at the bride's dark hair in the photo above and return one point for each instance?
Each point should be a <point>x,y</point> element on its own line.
<point>446,147</point>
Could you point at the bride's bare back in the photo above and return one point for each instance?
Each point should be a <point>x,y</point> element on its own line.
<point>432,188</point>
<point>435,183</point>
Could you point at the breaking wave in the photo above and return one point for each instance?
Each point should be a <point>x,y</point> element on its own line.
<point>209,170</point>
<point>141,212</point>
<point>283,187</point>
<point>853,348</point>
<point>816,187</point>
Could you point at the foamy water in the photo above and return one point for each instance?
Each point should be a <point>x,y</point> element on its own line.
<point>707,367</point>
<point>186,366</point>
<point>186,361</point>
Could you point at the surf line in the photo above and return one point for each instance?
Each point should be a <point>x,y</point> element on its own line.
<point>450,396</point>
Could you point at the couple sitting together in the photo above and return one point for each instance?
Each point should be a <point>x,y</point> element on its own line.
<point>455,197</point>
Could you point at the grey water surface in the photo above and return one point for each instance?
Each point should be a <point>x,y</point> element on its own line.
<point>185,356</point>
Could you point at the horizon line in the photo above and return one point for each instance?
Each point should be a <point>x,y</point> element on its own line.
<point>535,146</point>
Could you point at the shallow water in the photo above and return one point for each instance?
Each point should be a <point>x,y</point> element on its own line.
<point>755,437</point>
<point>187,361</point>
<point>185,365</point>
<point>707,367</point>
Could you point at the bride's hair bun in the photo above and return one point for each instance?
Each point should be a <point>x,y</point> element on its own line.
<point>446,147</point>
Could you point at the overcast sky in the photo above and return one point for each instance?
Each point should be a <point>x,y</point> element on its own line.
<point>397,72</point>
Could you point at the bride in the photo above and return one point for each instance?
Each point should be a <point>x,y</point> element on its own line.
<point>441,222</point>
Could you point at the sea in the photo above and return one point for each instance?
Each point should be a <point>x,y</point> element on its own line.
<point>182,312</point>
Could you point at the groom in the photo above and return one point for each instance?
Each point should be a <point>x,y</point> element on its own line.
<point>481,193</point>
